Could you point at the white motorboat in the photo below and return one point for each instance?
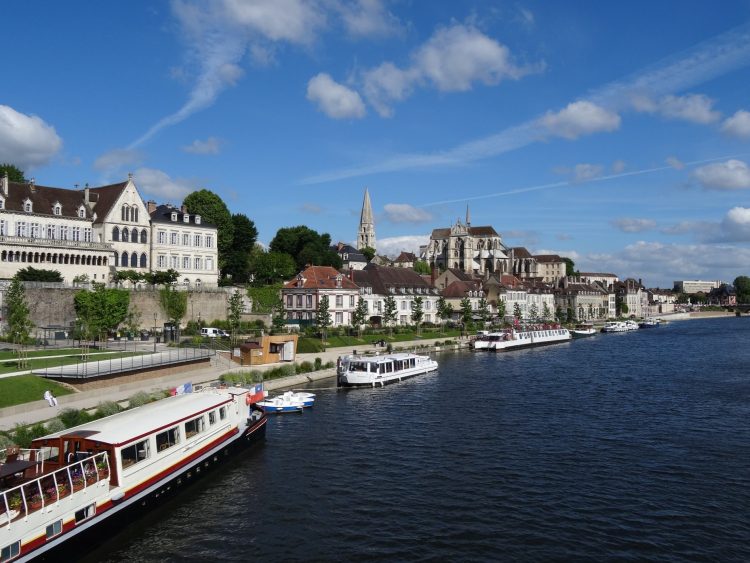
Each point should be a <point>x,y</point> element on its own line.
<point>289,401</point>
<point>373,371</point>
<point>582,330</point>
<point>535,336</point>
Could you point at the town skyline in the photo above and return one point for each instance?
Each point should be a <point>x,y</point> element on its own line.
<point>595,133</point>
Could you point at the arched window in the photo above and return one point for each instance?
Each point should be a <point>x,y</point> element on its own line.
<point>124,213</point>
<point>144,263</point>
<point>117,258</point>
<point>134,215</point>
<point>197,283</point>
<point>134,260</point>
<point>116,234</point>
<point>125,235</point>
<point>144,236</point>
<point>124,260</point>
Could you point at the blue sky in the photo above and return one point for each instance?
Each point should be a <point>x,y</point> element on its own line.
<point>616,134</point>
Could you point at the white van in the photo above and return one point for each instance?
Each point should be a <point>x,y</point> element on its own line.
<point>210,332</point>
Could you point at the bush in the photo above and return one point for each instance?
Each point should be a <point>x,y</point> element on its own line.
<point>73,417</point>
<point>107,408</point>
<point>287,370</point>
<point>305,367</point>
<point>138,399</point>
<point>318,363</point>
<point>5,442</point>
<point>55,425</point>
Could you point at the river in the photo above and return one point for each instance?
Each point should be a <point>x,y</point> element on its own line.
<point>631,446</point>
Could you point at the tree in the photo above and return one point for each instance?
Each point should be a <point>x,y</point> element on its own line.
<point>546,313</point>
<point>212,209</point>
<point>571,315</point>
<point>742,287</point>
<point>101,310</point>
<point>17,315</point>
<point>323,318</point>
<point>368,252</point>
<point>29,273</point>
<point>237,265</point>
<point>501,310</point>
<point>390,311</point>
<point>235,308</point>
<point>517,312</point>
<point>483,311</point>
<point>624,309</point>
<point>534,312</point>
<point>306,246</point>
<point>278,317</point>
<point>15,174</point>
<point>422,267</point>
<point>417,312</point>
<point>359,317</point>
<point>272,267</point>
<point>165,278</point>
<point>570,267</point>
<point>466,311</point>
<point>444,310</point>
<point>174,304</point>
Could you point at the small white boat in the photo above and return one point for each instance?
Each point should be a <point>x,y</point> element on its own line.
<point>371,371</point>
<point>533,336</point>
<point>582,330</point>
<point>290,401</point>
<point>649,323</point>
<point>620,326</point>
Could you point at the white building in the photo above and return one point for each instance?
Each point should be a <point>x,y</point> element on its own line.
<point>302,295</point>
<point>696,286</point>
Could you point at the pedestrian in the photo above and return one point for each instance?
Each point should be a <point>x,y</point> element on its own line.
<point>54,399</point>
<point>49,398</point>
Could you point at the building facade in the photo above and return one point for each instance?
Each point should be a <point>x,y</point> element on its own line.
<point>550,267</point>
<point>301,296</point>
<point>696,286</point>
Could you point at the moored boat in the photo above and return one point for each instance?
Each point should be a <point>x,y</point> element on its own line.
<point>289,401</point>
<point>535,336</point>
<point>582,330</point>
<point>77,482</point>
<point>648,323</point>
<point>373,371</point>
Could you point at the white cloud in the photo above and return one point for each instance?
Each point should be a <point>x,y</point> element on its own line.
<point>26,140</point>
<point>585,172</point>
<point>580,118</point>
<point>630,225</point>
<point>735,226</point>
<point>695,108</point>
<point>334,99</point>
<point>675,162</point>
<point>160,185</point>
<point>453,59</point>
<point>368,18</point>
<point>405,213</point>
<point>212,145</point>
<point>738,125</point>
<point>295,21</point>
<point>392,246</point>
<point>116,159</point>
<point>572,254</point>
<point>730,175</point>
<point>618,166</point>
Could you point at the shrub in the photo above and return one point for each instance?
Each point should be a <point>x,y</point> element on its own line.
<point>329,365</point>
<point>73,417</point>
<point>318,363</point>
<point>287,370</point>
<point>138,399</point>
<point>305,367</point>
<point>255,376</point>
<point>55,425</point>
<point>107,408</point>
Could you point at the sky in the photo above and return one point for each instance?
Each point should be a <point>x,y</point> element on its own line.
<point>617,134</point>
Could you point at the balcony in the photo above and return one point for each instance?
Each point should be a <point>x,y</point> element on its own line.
<point>54,243</point>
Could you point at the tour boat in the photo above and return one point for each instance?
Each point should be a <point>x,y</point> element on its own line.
<point>71,485</point>
<point>620,326</point>
<point>536,336</point>
<point>371,371</point>
<point>648,323</point>
<point>290,401</point>
<point>484,342</point>
<point>582,330</point>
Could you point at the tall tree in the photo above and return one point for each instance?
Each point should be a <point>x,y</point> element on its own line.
<point>546,313</point>
<point>272,267</point>
<point>742,287</point>
<point>501,310</point>
<point>417,313</point>
<point>212,209</point>
<point>237,265</point>
<point>174,304</point>
<point>466,311</point>
<point>570,267</point>
<point>444,310</point>
<point>101,310</point>
<point>517,312</point>
<point>17,316</point>
<point>278,317</point>
<point>15,174</point>
<point>483,311</point>
<point>323,318</point>
<point>390,312</point>
<point>235,307</point>
<point>534,312</point>
<point>306,246</point>
<point>359,317</point>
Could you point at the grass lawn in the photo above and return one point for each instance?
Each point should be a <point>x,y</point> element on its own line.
<point>312,345</point>
<point>20,389</point>
<point>9,366</point>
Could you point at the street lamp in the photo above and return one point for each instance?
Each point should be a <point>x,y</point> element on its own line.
<point>154,333</point>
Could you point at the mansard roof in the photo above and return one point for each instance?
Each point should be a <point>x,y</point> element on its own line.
<point>43,199</point>
<point>320,277</point>
<point>382,278</point>
<point>484,231</point>
<point>163,214</point>
<point>546,258</point>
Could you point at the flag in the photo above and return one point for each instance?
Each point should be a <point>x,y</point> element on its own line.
<point>256,393</point>
<point>181,389</point>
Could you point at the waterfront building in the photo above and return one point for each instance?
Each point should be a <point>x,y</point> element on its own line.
<point>457,291</point>
<point>539,298</point>
<point>302,295</point>
<point>51,228</point>
<point>695,286</point>
<point>366,232</point>
<point>604,279</point>
<point>183,242</point>
<point>550,267</point>
<point>587,301</point>
<point>404,285</point>
<point>724,295</point>
<point>351,258</point>
<point>451,275</point>
<point>630,292</point>
<point>405,260</point>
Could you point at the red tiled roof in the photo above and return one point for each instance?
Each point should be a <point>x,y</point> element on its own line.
<point>406,257</point>
<point>460,288</point>
<point>321,277</point>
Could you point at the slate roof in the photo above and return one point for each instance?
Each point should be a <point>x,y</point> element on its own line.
<point>354,254</point>
<point>521,252</point>
<point>163,214</point>
<point>484,231</point>
<point>545,258</point>
<point>321,277</point>
<point>43,199</point>
<point>106,196</point>
<point>382,278</point>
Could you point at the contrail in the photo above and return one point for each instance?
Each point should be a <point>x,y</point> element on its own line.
<point>565,183</point>
<point>705,61</point>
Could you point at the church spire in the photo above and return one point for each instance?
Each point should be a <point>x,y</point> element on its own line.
<point>366,233</point>
<point>468,216</point>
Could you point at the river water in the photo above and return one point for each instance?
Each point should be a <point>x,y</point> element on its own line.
<point>632,446</point>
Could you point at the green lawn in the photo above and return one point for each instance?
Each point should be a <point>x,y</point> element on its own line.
<point>9,366</point>
<point>312,345</point>
<point>19,389</point>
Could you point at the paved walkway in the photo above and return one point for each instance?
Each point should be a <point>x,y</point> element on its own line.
<point>125,387</point>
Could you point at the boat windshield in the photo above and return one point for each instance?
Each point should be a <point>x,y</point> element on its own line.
<point>358,366</point>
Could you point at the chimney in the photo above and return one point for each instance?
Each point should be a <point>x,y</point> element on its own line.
<point>351,273</point>
<point>151,206</point>
<point>32,185</point>
<point>433,275</point>
<point>86,196</point>
<point>183,209</point>
<point>4,184</point>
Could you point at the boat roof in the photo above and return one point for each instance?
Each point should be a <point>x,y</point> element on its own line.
<point>128,425</point>
<point>386,357</point>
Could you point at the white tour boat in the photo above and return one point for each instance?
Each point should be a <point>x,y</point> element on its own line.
<point>537,336</point>
<point>371,371</point>
<point>620,326</point>
<point>290,401</point>
<point>582,330</point>
<point>72,484</point>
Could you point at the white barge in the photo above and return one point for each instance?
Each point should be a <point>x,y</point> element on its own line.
<point>373,371</point>
<point>71,485</point>
<point>512,339</point>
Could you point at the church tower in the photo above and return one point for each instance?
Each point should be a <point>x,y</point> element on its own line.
<point>366,234</point>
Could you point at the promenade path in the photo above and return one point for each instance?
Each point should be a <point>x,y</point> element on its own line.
<point>124,387</point>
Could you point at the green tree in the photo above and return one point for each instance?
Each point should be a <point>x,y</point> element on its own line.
<point>272,267</point>
<point>278,317</point>
<point>517,312</point>
<point>742,287</point>
<point>323,319</point>
<point>390,312</point>
<point>546,313</point>
<point>174,304</point>
<point>306,246</point>
<point>466,311</point>
<point>101,310</point>
<point>483,310</point>
<point>444,310</point>
<point>422,267</point>
<point>359,317</point>
<point>245,234</point>
<point>15,174</point>
<point>417,313</point>
<point>166,277</point>
<point>624,309</point>
<point>235,308</point>
<point>212,209</point>
<point>534,312</point>
<point>18,314</point>
<point>501,310</point>
<point>368,252</point>
<point>570,267</point>
<point>571,315</point>
<point>29,273</point>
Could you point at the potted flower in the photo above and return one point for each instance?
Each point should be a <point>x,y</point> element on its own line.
<point>34,502</point>
<point>77,482</point>
<point>15,502</point>
<point>102,468</point>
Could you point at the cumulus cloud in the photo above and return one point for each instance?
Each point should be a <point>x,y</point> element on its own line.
<point>700,229</point>
<point>392,246</point>
<point>695,108</point>
<point>405,213</point>
<point>738,125</point>
<point>580,118</point>
<point>334,99</point>
<point>159,184</point>
<point>116,159</point>
<point>675,162</point>
<point>453,59</point>
<point>631,225</point>
<point>585,172</point>
<point>26,140</point>
<point>368,18</point>
<point>735,227</point>
<point>730,175</point>
<point>212,145</point>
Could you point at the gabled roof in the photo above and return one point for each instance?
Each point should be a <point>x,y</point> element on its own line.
<point>521,252</point>
<point>106,198</point>
<point>354,254</point>
<point>506,280</point>
<point>546,258</point>
<point>459,289</point>
<point>406,257</point>
<point>483,231</point>
<point>321,277</point>
<point>382,278</point>
<point>461,275</point>
<point>43,199</point>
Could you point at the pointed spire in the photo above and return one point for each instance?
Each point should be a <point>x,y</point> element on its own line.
<point>366,232</point>
<point>366,216</point>
<point>468,216</point>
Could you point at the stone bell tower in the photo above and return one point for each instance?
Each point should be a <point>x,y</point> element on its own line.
<point>366,233</point>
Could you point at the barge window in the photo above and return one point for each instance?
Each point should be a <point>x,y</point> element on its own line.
<point>212,418</point>
<point>10,551</point>
<point>193,427</point>
<point>167,439</point>
<point>54,529</point>
<point>135,453</point>
<point>85,513</point>
<point>222,413</point>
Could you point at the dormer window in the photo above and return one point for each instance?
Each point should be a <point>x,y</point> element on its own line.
<point>82,212</point>
<point>28,206</point>
<point>338,280</point>
<point>174,216</point>
<point>300,280</point>
<point>185,218</point>
<point>57,209</point>
<point>197,219</point>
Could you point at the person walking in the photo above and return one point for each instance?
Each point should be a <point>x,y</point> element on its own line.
<point>49,398</point>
